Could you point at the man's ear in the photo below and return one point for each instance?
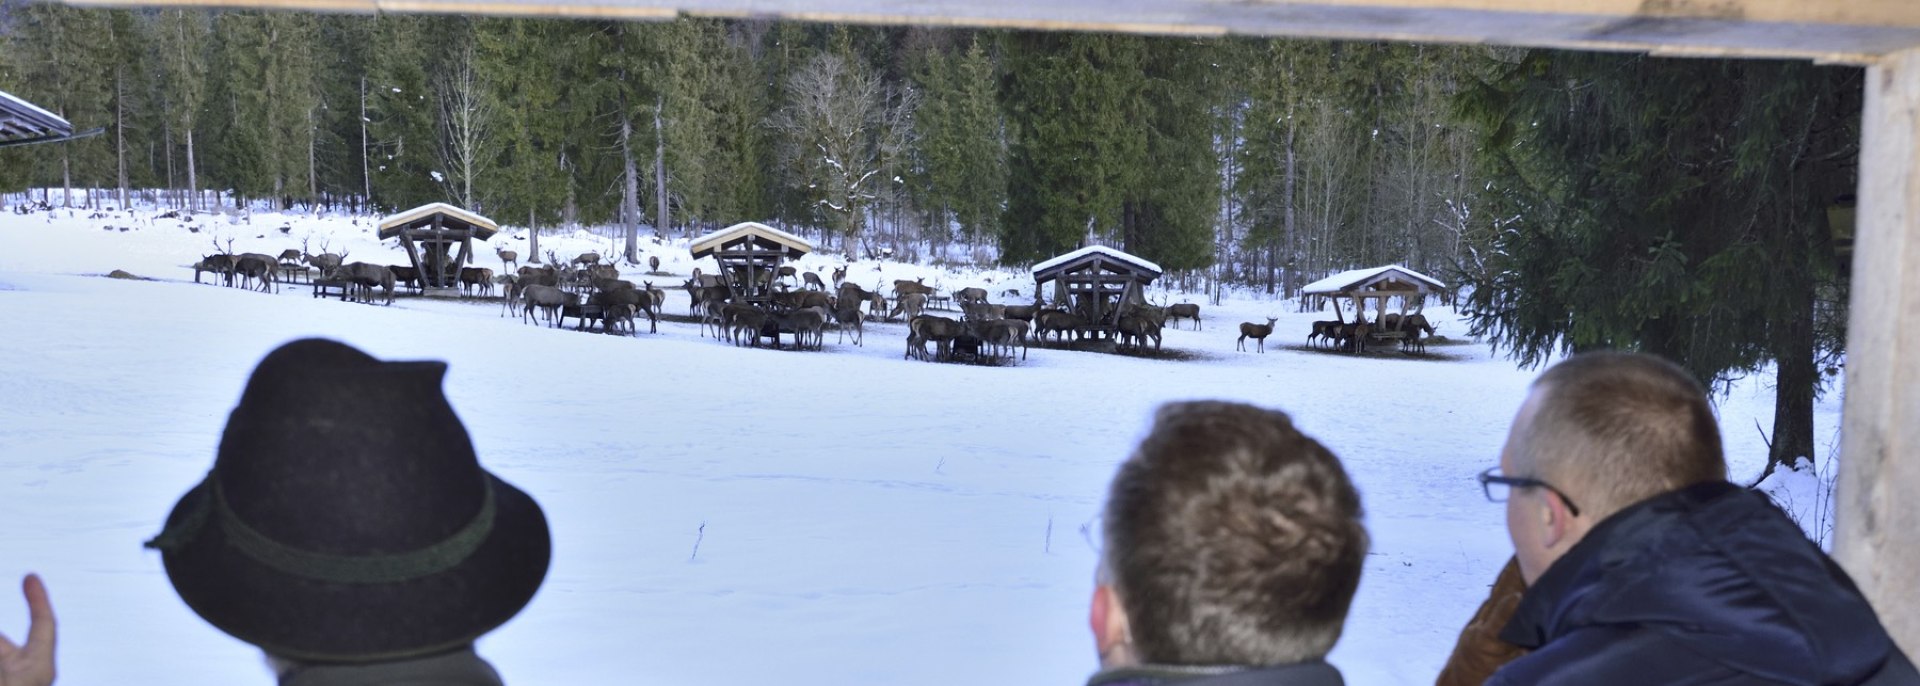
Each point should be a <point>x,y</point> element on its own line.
<point>1556,521</point>
<point>1112,635</point>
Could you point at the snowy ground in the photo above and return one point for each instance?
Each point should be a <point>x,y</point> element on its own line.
<point>866,519</point>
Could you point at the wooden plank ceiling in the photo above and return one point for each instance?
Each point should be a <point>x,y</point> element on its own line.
<point>1840,31</point>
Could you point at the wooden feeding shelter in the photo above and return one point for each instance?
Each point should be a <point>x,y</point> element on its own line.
<point>430,233</point>
<point>1379,284</point>
<point>1095,282</point>
<point>23,123</point>
<point>750,255</point>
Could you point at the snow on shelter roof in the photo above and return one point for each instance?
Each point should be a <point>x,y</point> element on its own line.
<point>1366,279</point>
<point>794,246</point>
<point>24,121</point>
<point>1104,251</point>
<point>455,218</point>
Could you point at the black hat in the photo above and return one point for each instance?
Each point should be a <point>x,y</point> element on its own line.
<point>346,518</point>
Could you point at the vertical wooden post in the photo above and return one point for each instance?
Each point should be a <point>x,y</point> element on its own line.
<point>1877,517</point>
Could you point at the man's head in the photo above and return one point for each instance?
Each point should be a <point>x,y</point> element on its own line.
<point>1605,430</point>
<point>1230,538</point>
<point>347,519</point>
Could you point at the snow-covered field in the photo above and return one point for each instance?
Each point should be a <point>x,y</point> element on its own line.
<point>860,519</point>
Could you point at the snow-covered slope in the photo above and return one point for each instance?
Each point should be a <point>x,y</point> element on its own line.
<point>859,519</point>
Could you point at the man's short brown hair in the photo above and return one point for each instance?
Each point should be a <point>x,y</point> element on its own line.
<point>1611,429</point>
<point>1231,538</point>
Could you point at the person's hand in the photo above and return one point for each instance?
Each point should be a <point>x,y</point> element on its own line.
<point>30,664</point>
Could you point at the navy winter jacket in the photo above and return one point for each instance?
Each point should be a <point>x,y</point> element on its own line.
<point>1710,584</point>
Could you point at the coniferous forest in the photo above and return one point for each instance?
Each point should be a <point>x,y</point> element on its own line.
<point>1583,200</point>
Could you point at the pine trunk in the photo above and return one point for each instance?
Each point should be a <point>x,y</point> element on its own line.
<point>629,187</point>
<point>366,175</point>
<point>660,210</point>
<point>120,132</point>
<point>193,179</point>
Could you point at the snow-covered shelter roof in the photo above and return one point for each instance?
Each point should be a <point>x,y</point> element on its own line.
<point>1391,278</point>
<point>760,235</point>
<point>1086,256</point>
<point>22,122</point>
<point>450,217</point>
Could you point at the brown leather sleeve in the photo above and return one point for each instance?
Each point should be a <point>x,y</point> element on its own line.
<point>1480,650</point>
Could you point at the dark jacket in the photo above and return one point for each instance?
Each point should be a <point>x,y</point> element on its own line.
<point>457,668</point>
<point>1315,673</point>
<point>1710,584</point>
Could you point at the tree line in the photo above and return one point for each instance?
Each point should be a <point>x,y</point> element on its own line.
<point>1583,200</point>
<point>1276,161</point>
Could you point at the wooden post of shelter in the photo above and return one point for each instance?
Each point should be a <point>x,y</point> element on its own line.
<point>744,252</point>
<point>1100,281</point>
<point>428,234</point>
<point>1876,517</point>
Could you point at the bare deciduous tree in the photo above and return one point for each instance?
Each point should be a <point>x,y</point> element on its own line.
<point>466,115</point>
<point>842,127</point>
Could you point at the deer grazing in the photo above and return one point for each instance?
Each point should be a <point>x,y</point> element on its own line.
<point>508,258</point>
<point>255,266</point>
<point>941,330</point>
<point>812,280</point>
<point>586,259</point>
<point>1326,330</point>
<point>218,263</point>
<point>1257,332</point>
<point>1058,322</point>
<point>363,278</point>
<point>1137,328</point>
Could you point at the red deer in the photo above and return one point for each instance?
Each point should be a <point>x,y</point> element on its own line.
<point>970,295</point>
<point>508,258</point>
<point>1138,328</point>
<point>219,263</point>
<point>251,266</point>
<point>1184,311</point>
<point>1257,332</point>
<point>549,299</point>
<point>1327,330</point>
<point>653,263</point>
<point>364,277</point>
<point>940,330</point>
<point>812,280</point>
<point>1058,322</point>
<point>839,274</point>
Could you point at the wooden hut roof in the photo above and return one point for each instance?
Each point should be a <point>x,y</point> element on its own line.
<point>1053,268</point>
<point>760,234</point>
<point>451,218</point>
<point>22,122</point>
<point>1388,278</point>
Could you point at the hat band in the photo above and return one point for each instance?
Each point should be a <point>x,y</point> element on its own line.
<point>345,569</point>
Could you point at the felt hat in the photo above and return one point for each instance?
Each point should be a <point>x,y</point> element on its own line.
<point>347,519</point>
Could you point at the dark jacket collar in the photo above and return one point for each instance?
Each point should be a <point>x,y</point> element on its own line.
<point>457,668</point>
<point>1311,673</point>
<point>1718,570</point>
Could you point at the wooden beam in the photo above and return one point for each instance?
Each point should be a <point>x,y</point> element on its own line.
<point>1877,516</point>
<point>1841,31</point>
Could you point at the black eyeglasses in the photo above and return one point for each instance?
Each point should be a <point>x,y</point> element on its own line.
<point>1498,486</point>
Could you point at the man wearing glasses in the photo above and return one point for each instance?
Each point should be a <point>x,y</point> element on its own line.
<point>1645,566</point>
